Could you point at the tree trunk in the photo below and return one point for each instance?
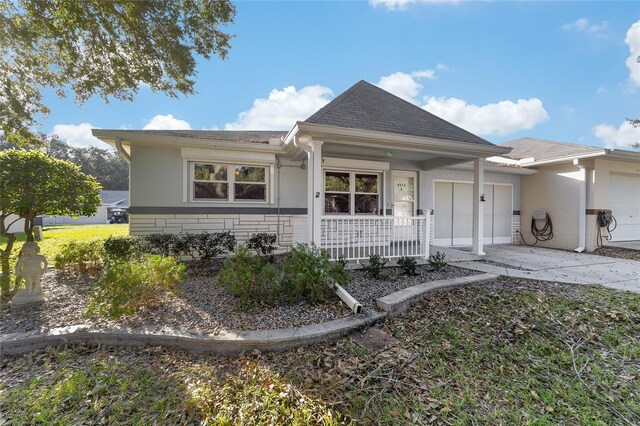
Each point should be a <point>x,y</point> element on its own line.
<point>28,227</point>
<point>5,279</point>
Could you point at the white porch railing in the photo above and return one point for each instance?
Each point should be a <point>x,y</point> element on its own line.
<point>356,238</point>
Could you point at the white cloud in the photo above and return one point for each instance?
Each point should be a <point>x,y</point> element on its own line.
<point>602,89</point>
<point>622,137</point>
<point>401,85</point>
<point>578,24</point>
<point>500,118</point>
<point>77,135</point>
<point>166,122</point>
<point>402,4</point>
<point>633,41</point>
<point>282,108</point>
<point>405,85</point>
<point>442,67</point>
<point>583,24</point>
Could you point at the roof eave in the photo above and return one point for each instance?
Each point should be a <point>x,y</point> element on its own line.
<point>564,159</point>
<point>407,142</point>
<point>129,138</point>
<point>622,154</point>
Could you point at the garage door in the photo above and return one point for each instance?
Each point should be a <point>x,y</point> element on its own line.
<point>624,201</point>
<point>453,214</point>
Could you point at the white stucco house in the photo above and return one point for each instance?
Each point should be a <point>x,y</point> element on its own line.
<point>367,173</point>
<point>573,183</point>
<point>111,199</point>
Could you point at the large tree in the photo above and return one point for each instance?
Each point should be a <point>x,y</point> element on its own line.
<point>109,169</point>
<point>105,48</point>
<point>33,184</point>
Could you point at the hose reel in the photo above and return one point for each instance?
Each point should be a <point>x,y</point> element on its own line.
<point>606,220</point>
<point>541,227</point>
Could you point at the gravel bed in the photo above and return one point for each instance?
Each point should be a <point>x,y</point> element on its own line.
<point>366,290</point>
<point>617,252</point>
<point>201,306</point>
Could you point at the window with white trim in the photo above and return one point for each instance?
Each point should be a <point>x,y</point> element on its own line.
<point>228,182</point>
<point>351,192</point>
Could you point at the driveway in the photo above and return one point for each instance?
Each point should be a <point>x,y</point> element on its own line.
<point>551,265</point>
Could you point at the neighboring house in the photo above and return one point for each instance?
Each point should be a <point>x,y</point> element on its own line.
<point>110,200</point>
<point>361,175</point>
<point>573,183</point>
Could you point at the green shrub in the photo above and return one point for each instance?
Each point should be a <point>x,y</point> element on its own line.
<point>308,275</point>
<point>375,266</point>
<point>184,245</point>
<point>263,244</point>
<point>437,261</point>
<point>119,248</point>
<point>408,264</point>
<point>83,256</point>
<point>339,271</point>
<point>161,244</point>
<point>210,246</point>
<point>249,278</point>
<point>128,285</point>
<point>203,245</point>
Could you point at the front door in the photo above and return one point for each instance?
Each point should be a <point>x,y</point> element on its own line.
<point>404,189</point>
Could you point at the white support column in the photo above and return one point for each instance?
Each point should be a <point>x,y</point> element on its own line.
<point>427,232</point>
<point>478,206</point>
<point>310,199</point>
<point>318,206</point>
<point>582,208</point>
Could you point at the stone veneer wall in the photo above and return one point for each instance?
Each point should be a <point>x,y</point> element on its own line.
<point>293,228</point>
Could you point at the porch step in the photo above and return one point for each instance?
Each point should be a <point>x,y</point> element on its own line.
<point>398,302</point>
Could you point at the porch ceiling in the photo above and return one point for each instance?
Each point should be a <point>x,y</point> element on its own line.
<point>422,160</point>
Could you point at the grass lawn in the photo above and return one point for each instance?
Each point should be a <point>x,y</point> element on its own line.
<point>56,236</point>
<point>508,352</point>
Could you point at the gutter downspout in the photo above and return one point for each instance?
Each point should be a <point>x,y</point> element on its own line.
<point>582,208</point>
<point>124,154</point>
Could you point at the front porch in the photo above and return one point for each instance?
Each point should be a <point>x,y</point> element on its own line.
<point>367,153</point>
<point>365,200</point>
<point>357,238</point>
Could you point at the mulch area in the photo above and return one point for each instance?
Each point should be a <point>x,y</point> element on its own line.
<point>618,252</point>
<point>202,306</point>
<point>366,289</point>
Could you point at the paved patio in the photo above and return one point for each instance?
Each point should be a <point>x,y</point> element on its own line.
<point>550,265</point>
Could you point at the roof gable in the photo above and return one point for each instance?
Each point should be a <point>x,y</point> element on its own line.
<point>368,107</point>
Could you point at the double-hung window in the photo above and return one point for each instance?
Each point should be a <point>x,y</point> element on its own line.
<point>351,192</point>
<point>229,182</point>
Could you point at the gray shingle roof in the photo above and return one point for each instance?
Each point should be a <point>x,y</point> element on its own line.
<point>368,107</point>
<point>110,197</point>
<point>251,136</point>
<point>541,149</point>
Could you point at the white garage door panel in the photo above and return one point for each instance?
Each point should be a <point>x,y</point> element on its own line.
<point>453,204</point>
<point>502,217</point>
<point>462,213</point>
<point>443,215</point>
<point>624,200</point>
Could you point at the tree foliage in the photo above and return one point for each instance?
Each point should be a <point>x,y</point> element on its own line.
<point>103,48</point>
<point>34,184</point>
<point>109,169</point>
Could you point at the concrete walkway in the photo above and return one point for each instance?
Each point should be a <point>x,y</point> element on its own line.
<point>552,265</point>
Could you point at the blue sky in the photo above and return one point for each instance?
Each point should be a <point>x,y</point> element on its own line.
<point>503,70</point>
